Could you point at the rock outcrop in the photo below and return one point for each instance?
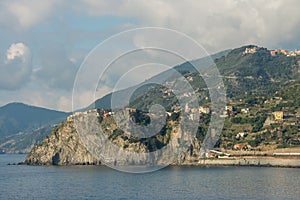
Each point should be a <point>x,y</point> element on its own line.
<point>65,146</point>
<point>62,147</point>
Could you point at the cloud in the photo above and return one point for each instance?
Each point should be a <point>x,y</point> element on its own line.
<point>216,25</point>
<point>29,13</point>
<point>15,69</point>
<point>16,50</point>
<point>59,47</point>
<point>56,68</point>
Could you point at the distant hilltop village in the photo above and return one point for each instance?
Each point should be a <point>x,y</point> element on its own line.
<point>273,52</point>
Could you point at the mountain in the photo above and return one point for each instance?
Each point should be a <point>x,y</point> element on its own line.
<point>242,70</point>
<point>256,72</point>
<point>245,75</point>
<point>262,114</point>
<point>22,126</point>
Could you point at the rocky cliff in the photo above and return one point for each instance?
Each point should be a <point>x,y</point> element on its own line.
<point>65,146</point>
<point>61,147</point>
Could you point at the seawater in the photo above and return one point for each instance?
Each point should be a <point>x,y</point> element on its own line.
<point>99,182</point>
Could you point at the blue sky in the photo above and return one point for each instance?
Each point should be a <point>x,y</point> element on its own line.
<point>48,40</point>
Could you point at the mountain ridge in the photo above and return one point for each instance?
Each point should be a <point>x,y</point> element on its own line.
<point>22,126</point>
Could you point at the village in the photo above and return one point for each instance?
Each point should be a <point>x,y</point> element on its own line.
<point>252,126</point>
<point>273,52</point>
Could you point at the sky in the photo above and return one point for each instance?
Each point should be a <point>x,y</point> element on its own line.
<point>44,43</point>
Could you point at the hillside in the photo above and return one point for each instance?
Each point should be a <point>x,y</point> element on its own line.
<point>245,76</point>
<point>22,126</point>
<point>262,112</point>
<point>105,102</point>
<point>257,85</point>
<point>256,73</point>
<point>264,122</point>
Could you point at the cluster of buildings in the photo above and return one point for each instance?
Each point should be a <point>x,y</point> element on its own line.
<point>250,50</point>
<point>76,114</point>
<point>284,52</point>
<point>273,52</point>
<point>79,114</point>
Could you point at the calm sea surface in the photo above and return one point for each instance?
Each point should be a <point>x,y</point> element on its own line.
<point>90,182</point>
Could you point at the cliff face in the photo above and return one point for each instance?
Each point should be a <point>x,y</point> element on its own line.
<point>65,147</point>
<point>61,147</point>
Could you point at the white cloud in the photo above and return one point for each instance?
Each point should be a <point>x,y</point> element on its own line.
<point>215,24</point>
<point>29,13</point>
<point>16,50</point>
<point>16,68</point>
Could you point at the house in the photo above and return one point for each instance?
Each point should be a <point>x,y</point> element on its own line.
<point>204,110</point>
<point>224,114</point>
<point>70,118</point>
<point>190,78</point>
<point>211,155</point>
<point>76,114</point>
<point>187,94</point>
<point>284,52</point>
<point>239,146</point>
<point>176,109</point>
<point>194,110</point>
<point>193,116</point>
<point>241,135</point>
<point>169,114</point>
<point>105,114</point>
<point>229,108</point>
<point>297,52</point>
<point>250,50</point>
<point>274,52</point>
<point>217,154</point>
<point>245,110</point>
<point>168,92</point>
<point>278,115</point>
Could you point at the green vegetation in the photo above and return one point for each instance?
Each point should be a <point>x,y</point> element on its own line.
<point>257,84</point>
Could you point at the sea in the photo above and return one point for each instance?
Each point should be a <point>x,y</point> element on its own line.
<point>100,182</point>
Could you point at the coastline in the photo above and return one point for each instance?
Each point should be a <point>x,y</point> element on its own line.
<point>247,161</point>
<point>257,161</point>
